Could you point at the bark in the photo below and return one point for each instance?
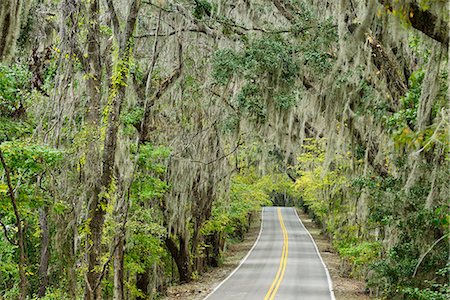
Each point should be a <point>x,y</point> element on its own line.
<point>285,8</point>
<point>71,268</point>
<point>10,20</point>
<point>45,240</point>
<point>121,212</point>
<point>95,213</point>
<point>125,52</point>
<point>423,20</point>
<point>20,233</point>
<point>165,85</point>
<point>217,243</point>
<point>119,268</point>
<point>201,212</point>
<point>99,202</point>
<point>181,256</point>
<point>388,65</point>
<point>142,283</point>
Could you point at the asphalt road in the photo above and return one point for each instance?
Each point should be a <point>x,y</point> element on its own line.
<point>284,263</point>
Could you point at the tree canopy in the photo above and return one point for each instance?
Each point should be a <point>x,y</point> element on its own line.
<point>137,135</point>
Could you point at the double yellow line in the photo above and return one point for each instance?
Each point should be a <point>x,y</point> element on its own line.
<point>284,255</point>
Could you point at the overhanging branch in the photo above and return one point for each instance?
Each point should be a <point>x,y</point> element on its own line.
<point>423,20</point>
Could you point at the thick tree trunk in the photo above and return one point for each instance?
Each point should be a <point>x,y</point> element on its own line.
<point>142,283</point>
<point>198,257</point>
<point>217,243</point>
<point>45,239</point>
<point>181,256</point>
<point>97,217</point>
<point>96,212</point>
<point>10,19</point>
<point>98,204</point>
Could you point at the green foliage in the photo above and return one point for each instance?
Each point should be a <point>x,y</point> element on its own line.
<point>246,198</point>
<point>202,9</point>
<point>226,63</point>
<point>248,193</point>
<point>405,213</point>
<point>51,70</point>
<point>406,117</point>
<point>15,92</point>
<point>318,60</point>
<point>230,123</point>
<point>9,273</point>
<point>321,190</point>
<point>285,101</point>
<point>145,234</point>
<point>436,291</point>
<point>361,254</point>
<point>54,294</point>
<point>11,129</point>
<point>144,245</point>
<point>32,158</point>
<point>251,100</point>
<point>151,158</point>
<point>271,56</point>
<point>266,63</point>
<point>14,88</point>
<point>396,270</point>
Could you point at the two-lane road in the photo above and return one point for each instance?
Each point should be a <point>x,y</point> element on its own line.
<point>284,263</point>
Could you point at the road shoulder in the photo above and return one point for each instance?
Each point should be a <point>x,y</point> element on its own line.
<point>344,288</point>
<point>200,288</point>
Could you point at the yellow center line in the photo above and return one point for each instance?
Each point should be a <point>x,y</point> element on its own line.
<point>281,269</point>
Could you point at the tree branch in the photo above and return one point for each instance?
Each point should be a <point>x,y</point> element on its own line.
<point>423,20</point>
<point>285,9</point>
<point>5,230</point>
<point>240,143</point>
<point>197,30</point>
<point>23,279</point>
<point>164,86</point>
<point>114,18</point>
<point>426,252</point>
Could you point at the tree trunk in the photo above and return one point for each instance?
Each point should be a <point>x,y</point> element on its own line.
<point>182,258</point>
<point>117,95</point>
<point>216,241</point>
<point>45,239</point>
<point>10,19</point>
<point>71,261</point>
<point>95,213</point>
<point>97,217</point>
<point>119,268</point>
<point>142,282</point>
<point>20,234</point>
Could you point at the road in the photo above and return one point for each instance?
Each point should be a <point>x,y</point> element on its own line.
<point>284,264</point>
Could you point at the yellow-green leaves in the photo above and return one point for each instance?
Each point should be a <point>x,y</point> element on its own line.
<point>30,158</point>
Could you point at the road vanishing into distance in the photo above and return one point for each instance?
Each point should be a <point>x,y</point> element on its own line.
<point>283,264</point>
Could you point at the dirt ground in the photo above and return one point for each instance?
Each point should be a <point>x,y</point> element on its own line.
<point>344,288</point>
